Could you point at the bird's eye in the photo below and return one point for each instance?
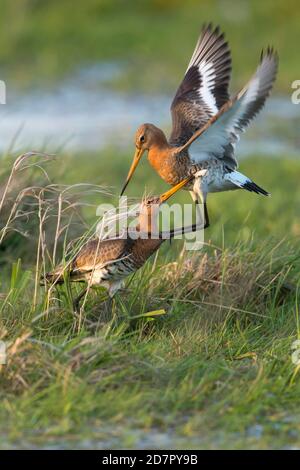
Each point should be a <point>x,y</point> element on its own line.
<point>142,138</point>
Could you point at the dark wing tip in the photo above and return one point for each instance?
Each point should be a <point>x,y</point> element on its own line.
<point>207,27</point>
<point>212,29</point>
<point>269,60</point>
<point>269,53</point>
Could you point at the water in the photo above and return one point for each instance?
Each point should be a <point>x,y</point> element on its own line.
<point>82,113</point>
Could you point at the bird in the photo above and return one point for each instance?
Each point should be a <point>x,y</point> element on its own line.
<point>207,122</point>
<point>108,262</point>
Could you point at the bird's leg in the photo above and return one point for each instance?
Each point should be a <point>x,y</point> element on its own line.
<point>109,302</point>
<point>109,309</point>
<point>196,201</point>
<point>206,218</point>
<point>198,211</point>
<point>199,215</point>
<point>198,193</point>
<point>76,302</point>
<point>113,288</point>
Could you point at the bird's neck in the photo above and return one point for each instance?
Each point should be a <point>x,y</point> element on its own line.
<point>148,221</point>
<point>166,163</point>
<point>159,155</point>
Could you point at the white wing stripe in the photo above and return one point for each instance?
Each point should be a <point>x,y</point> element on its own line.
<point>208,76</point>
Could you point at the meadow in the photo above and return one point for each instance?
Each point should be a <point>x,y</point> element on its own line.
<point>196,352</point>
<point>211,367</point>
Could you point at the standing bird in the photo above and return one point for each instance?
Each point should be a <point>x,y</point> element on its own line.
<point>207,123</point>
<point>110,261</point>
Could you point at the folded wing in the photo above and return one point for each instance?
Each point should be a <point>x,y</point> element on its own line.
<point>96,254</point>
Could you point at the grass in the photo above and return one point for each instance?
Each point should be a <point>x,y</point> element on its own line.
<point>197,352</point>
<point>214,371</point>
<point>154,39</point>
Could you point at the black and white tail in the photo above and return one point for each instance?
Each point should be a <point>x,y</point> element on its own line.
<point>243,182</point>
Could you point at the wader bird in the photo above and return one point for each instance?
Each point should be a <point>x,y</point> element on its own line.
<point>207,123</point>
<point>110,261</point>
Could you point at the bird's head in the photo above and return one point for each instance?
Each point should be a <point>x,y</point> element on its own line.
<point>146,137</point>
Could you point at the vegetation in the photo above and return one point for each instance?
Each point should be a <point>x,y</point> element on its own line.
<point>195,353</point>
<point>153,39</point>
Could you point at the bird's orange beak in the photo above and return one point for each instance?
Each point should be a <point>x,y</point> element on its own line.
<point>165,196</point>
<point>137,156</point>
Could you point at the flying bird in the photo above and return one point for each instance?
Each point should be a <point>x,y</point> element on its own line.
<point>207,123</point>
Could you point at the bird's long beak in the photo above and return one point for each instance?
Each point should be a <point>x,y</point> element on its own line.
<point>137,156</point>
<point>165,196</point>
